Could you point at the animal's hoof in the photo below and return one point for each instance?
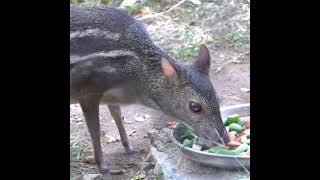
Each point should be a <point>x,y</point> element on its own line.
<point>103,168</point>
<point>130,151</point>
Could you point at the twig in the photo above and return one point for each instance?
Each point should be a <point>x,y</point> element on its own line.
<point>130,133</point>
<point>175,6</point>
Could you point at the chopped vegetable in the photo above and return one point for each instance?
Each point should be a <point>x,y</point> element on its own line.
<point>221,150</point>
<point>247,133</point>
<point>242,148</point>
<point>234,132</point>
<point>196,147</point>
<point>243,120</point>
<point>171,123</point>
<point>236,127</point>
<point>224,121</point>
<point>235,118</point>
<point>247,125</point>
<point>232,137</point>
<point>234,144</point>
<point>187,143</point>
<point>243,138</point>
<point>247,141</point>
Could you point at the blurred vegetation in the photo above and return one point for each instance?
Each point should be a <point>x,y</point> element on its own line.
<point>223,25</point>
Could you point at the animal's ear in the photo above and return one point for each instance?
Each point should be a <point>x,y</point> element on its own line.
<point>169,70</point>
<point>203,60</point>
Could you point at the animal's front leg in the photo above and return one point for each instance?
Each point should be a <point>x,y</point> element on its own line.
<point>90,109</point>
<point>116,114</point>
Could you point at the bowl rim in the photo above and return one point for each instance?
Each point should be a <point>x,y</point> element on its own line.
<point>175,141</point>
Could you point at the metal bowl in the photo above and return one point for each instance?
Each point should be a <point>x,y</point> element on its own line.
<point>211,159</point>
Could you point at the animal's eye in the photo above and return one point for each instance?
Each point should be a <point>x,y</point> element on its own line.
<point>195,107</point>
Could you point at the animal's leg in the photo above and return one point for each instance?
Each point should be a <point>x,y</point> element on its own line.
<point>116,114</point>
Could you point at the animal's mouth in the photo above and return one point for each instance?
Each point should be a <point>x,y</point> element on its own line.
<point>206,141</point>
<point>213,138</point>
<point>209,138</point>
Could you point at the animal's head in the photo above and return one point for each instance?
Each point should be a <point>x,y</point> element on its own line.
<point>192,98</point>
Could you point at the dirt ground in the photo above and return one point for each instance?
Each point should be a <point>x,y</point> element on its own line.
<point>229,73</point>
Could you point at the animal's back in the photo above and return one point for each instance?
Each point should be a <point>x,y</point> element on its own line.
<point>96,29</point>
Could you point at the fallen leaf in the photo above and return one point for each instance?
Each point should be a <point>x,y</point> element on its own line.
<point>106,139</point>
<point>218,69</point>
<point>142,175</point>
<point>145,10</point>
<point>128,122</point>
<point>147,116</point>
<point>139,176</point>
<point>127,3</point>
<point>139,118</point>
<point>236,61</point>
<point>197,2</point>
<point>105,2</point>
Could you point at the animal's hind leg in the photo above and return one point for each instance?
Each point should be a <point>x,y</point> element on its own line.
<point>116,114</point>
